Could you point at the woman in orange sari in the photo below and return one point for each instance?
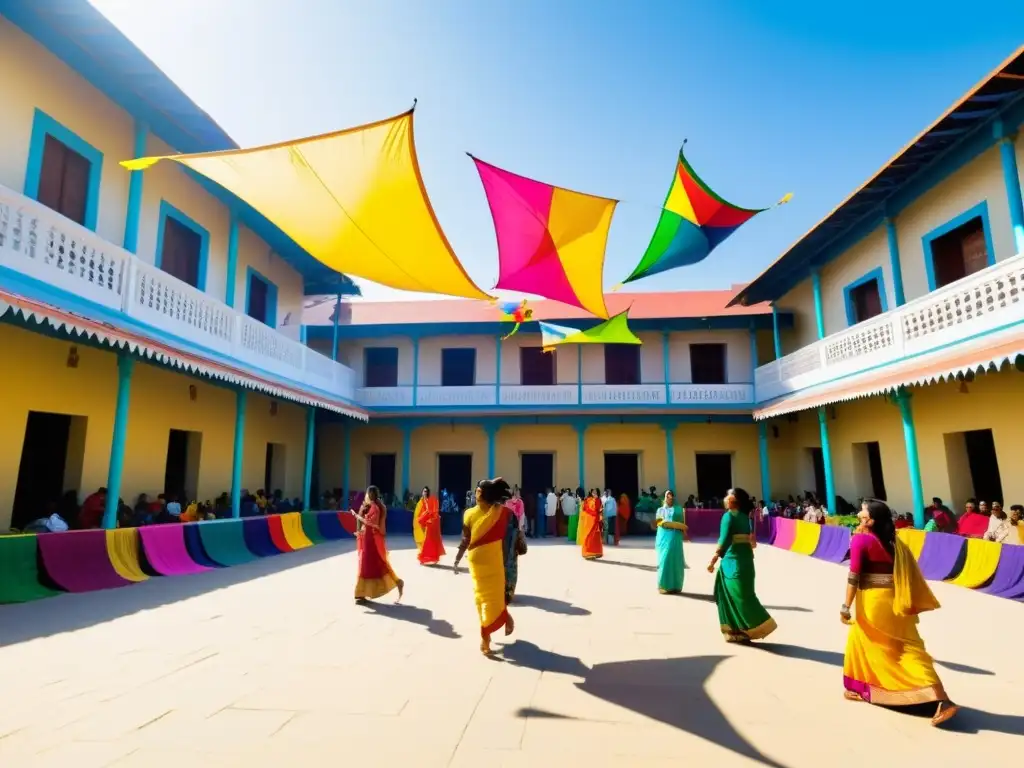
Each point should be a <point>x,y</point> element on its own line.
<point>624,513</point>
<point>485,529</point>
<point>376,576</point>
<point>428,518</point>
<point>591,526</point>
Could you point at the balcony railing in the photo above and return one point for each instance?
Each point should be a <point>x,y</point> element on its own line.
<point>979,303</point>
<point>559,395</point>
<point>41,244</point>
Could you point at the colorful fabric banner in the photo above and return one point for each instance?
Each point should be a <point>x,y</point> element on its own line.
<point>694,220</point>
<point>353,199</point>
<point>612,331</point>
<point>551,241</point>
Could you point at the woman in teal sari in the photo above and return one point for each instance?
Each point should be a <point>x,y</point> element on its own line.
<point>671,523</point>
<point>740,614</point>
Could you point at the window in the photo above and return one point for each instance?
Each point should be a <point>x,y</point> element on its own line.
<point>261,298</point>
<point>865,298</point>
<point>536,367</point>
<point>959,248</point>
<point>458,367</point>
<point>182,246</point>
<point>621,364</point>
<point>707,364</point>
<point>380,367</point>
<point>64,180</point>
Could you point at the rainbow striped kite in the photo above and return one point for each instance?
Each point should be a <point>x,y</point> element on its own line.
<point>615,330</point>
<point>694,220</point>
<point>551,241</point>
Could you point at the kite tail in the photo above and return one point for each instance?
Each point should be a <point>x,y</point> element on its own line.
<point>785,199</point>
<point>511,333</point>
<point>617,286</point>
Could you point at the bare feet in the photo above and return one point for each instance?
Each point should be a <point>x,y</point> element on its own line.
<point>945,712</point>
<point>485,647</point>
<point>401,590</point>
<point>510,626</point>
<point>851,696</point>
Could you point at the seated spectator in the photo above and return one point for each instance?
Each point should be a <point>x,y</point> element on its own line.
<point>999,528</point>
<point>972,524</point>
<point>1017,521</point>
<point>904,521</point>
<point>172,511</point>
<point>92,509</point>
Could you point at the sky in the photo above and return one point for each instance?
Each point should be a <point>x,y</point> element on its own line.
<point>594,95</point>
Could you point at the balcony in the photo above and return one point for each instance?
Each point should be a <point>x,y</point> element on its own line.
<point>978,304</point>
<point>106,283</point>
<point>555,397</point>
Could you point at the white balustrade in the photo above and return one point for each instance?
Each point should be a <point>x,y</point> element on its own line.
<point>384,397</point>
<point>624,394</point>
<point>46,246</point>
<point>711,394</point>
<point>980,303</point>
<point>480,394</point>
<point>555,394</point>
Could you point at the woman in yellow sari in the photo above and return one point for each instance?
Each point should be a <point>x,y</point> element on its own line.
<point>485,528</point>
<point>886,662</point>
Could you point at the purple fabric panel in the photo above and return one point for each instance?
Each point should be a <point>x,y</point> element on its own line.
<point>941,555</point>
<point>773,529</point>
<point>78,562</point>
<point>164,546</point>
<point>1009,577</point>
<point>704,523</point>
<point>834,544</point>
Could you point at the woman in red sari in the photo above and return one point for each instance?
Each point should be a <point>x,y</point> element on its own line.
<point>376,576</point>
<point>591,523</point>
<point>429,519</point>
<point>624,512</point>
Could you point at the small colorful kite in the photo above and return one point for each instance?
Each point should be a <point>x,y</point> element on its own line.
<point>615,330</point>
<point>694,220</point>
<point>551,241</point>
<point>517,313</point>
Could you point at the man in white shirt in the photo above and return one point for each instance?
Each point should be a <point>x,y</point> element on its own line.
<point>568,506</point>
<point>611,517</point>
<point>550,510</point>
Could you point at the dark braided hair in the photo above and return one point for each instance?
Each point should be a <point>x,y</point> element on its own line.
<point>744,503</point>
<point>881,524</point>
<point>495,491</point>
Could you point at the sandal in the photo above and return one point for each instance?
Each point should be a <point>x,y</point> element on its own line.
<point>851,696</point>
<point>736,638</point>
<point>945,712</point>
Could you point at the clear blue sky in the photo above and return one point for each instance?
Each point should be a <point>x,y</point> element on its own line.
<point>596,95</point>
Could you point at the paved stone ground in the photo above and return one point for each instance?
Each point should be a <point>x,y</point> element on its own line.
<point>272,664</point>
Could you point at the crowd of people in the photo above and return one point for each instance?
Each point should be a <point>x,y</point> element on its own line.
<point>977,521</point>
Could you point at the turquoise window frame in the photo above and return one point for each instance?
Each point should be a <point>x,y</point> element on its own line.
<point>169,211</point>
<point>876,274</point>
<point>42,126</point>
<point>250,275</point>
<point>978,211</point>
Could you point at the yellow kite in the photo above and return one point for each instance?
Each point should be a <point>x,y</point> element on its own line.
<point>353,199</point>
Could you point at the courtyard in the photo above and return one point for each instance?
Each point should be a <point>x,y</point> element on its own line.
<point>272,663</point>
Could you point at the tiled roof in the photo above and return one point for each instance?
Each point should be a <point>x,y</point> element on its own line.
<point>649,306</point>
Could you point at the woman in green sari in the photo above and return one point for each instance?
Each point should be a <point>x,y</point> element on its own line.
<point>740,613</point>
<point>671,522</point>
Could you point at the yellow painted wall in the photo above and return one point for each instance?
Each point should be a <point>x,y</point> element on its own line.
<point>800,302</point>
<point>739,440</point>
<point>159,402</point>
<point>869,254</point>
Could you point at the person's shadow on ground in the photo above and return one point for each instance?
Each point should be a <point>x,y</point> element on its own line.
<point>549,604</point>
<point>413,615</point>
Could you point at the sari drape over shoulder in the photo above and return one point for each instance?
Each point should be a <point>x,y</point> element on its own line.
<point>418,532</point>
<point>376,576</point>
<point>428,517</point>
<point>886,662</point>
<point>591,536</point>
<point>740,613</point>
<point>668,544</point>
<point>485,553</point>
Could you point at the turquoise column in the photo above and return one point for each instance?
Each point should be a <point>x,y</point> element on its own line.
<point>307,480</point>
<point>1011,177</point>
<point>346,455</point>
<point>125,365</point>
<point>492,433</point>
<point>667,366</point>
<point>894,262</point>
<point>579,374</point>
<point>497,378</point>
<point>826,459</point>
<point>303,334</point>
<point>775,332</point>
<point>415,366</point>
<point>753,360</point>
<point>902,399</point>
<point>334,338</point>
<point>766,478</point>
<point>231,277</point>
<point>670,454</point>
<point>819,312</point>
<point>581,431</point>
<point>134,213</point>
<point>406,459</point>
<point>237,455</point>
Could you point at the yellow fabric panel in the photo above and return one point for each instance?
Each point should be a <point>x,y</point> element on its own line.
<point>354,199</point>
<point>291,524</point>
<point>123,551</point>
<point>980,565</point>
<point>678,201</point>
<point>579,226</point>
<point>914,539</point>
<point>807,535</point>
